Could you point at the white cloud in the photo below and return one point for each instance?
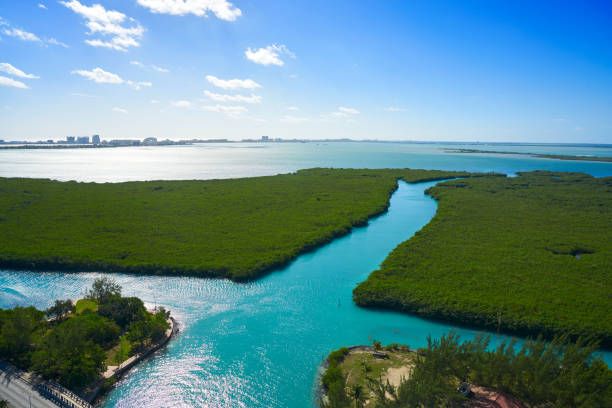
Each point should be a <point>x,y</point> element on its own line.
<point>269,55</point>
<point>4,81</point>
<point>182,104</point>
<point>155,67</point>
<point>342,112</point>
<point>394,109</point>
<point>21,34</point>
<point>350,111</point>
<point>107,23</point>
<point>27,36</point>
<point>223,9</point>
<point>138,85</point>
<point>42,6</point>
<point>233,98</point>
<point>160,69</point>
<point>293,108</point>
<point>232,83</point>
<point>120,110</point>
<point>100,76</point>
<point>82,95</point>
<point>55,42</point>
<point>11,70</point>
<point>104,77</point>
<point>293,119</point>
<point>154,101</point>
<point>227,109</point>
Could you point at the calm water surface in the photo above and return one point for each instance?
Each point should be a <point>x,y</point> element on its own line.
<point>230,160</point>
<point>259,344</point>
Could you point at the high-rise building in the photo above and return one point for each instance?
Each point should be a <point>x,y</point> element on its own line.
<point>82,140</point>
<point>70,139</point>
<point>95,139</point>
<point>265,139</point>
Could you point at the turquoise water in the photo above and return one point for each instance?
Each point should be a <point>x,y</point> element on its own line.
<point>258,344</point>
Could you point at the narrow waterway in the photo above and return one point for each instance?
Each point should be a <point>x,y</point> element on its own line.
<point>258,344</point>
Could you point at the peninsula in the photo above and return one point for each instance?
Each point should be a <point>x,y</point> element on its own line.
<point>236,228</point>
<point>528,255</point>
<point>538,155</point>
<point>453,373</point>
<point>86,345</point>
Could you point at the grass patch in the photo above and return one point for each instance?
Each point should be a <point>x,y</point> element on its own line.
<point>120,352</point>
<point>502,252</point>
<point>86,305</point>
<point>237,228</point>
<point>357,365</point>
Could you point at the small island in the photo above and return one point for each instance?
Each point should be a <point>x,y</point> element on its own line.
<point>453,373</point>
<point>538,155</point>
<point>77,350</point>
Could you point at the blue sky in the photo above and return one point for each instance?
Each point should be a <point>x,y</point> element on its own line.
<point>517,71</point>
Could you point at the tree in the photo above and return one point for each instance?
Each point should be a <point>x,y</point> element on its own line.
<point>60,309</point>
<point>122,311</point>
<point>103,289</point>
<point>17,330</point>
<point>68,356</point>
<point>377,345</point>
<point>357,395</point>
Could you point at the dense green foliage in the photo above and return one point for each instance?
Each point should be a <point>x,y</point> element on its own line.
<point>238,228</point>
<point>72,347</point>
<point>530,254</point>
<point>334,381</point>
<point>560,374</point>
<point>539,155</point>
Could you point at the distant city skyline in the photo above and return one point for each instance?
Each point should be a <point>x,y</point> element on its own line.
<point>202,69</point>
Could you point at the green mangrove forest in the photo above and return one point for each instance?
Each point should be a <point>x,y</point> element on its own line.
<point>537,155</point>
<point>529,254</point>
<point>237,228</point>
<point>559,374</point>
<point>74,344</point>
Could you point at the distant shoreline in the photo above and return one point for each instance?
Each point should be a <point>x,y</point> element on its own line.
<point>26,145</point>
<point>537,155</point>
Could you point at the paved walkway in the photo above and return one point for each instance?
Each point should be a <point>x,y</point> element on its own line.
<point>23,390</point>
<point>21,394</point>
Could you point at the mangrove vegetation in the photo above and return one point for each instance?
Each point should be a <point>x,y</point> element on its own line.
<point>529,254</point>
<point>237,228</point>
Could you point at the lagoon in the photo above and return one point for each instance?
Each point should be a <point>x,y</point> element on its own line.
<point>259,344</point>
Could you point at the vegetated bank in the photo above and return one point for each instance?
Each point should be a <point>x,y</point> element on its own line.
<point>451,373</point>
<point>538,155</point>
<point>528,255</point>
<point>236,228</point>
<point>75,344</point>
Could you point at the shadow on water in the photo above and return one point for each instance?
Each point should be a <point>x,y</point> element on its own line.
<point>259,344</point>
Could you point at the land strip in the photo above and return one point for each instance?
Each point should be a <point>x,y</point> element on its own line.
<point>236,228</point>
<point>528,255</point>
<point>538,155</point>
<point>470,374</point>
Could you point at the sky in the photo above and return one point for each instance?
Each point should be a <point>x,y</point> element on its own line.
<point>503,71</point>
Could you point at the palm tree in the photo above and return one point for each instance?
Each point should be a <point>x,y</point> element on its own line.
<point>357,394</point>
